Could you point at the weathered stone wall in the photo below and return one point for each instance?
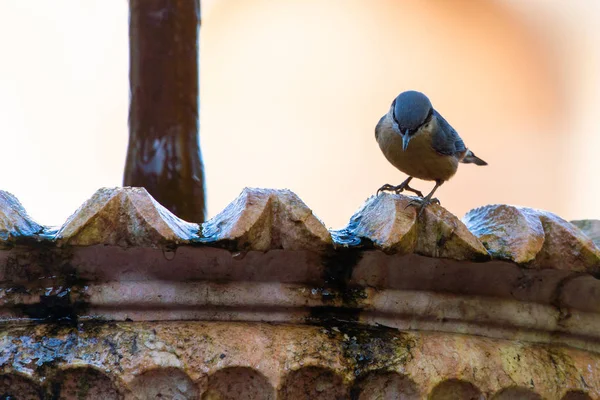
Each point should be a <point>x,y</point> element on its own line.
<point>263,302</point>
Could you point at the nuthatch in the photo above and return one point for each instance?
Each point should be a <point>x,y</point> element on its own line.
<point>418,141</point>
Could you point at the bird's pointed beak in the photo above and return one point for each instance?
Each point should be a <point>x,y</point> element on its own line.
<point>405,139</point>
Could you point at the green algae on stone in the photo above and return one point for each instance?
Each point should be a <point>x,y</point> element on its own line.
<point>531,365</point>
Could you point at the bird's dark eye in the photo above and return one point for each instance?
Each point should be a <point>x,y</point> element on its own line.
<point>429,115</point>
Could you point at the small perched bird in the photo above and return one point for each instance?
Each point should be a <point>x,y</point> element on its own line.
<point>418,141</point>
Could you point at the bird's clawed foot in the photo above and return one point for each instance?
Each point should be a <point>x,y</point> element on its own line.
<point>399,189</point>
<point>421,203</point>
<point>388,188</point>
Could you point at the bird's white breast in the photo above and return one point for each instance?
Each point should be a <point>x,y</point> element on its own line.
<point>419,160</point>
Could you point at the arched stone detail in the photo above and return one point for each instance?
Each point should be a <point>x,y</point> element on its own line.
<point>166,383</point>
<point>455,389</point>
<point>14,386</point>
<point>84,383</point>
<point>313,383</point>
<point>385,385</point>
<point>238,383</point>
<point>576,395</point>
<point>516,392</point>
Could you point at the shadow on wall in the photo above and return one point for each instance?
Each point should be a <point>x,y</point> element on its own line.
<point>301,86</point>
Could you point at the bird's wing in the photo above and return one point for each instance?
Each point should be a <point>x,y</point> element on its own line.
<point>379,126</point>
<point>445,139</point>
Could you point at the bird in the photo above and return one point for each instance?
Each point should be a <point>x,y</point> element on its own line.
<point>418,141</point>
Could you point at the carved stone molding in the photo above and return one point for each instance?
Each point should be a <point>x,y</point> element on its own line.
<point>127,301</point>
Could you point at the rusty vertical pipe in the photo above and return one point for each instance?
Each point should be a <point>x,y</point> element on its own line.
<point>164,150</point>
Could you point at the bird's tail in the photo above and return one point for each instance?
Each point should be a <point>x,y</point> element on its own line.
<point>471,158</point>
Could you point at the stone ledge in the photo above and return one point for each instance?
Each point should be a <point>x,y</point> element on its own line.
<point>391,224</point>
<point>191,360</point>
<point>533,238</point>
<point>409,292</point>
<point>15,223</point>
<point>267,258</point>
<point>507,281</point>
<point>127,217</point>
<point>263,219</point>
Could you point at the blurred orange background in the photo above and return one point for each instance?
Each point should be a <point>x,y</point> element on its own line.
<point>291,91</point>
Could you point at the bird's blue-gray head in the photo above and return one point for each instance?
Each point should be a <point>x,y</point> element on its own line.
<point>410,110</point>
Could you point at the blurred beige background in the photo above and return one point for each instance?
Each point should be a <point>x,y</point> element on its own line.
<point>291,91</point>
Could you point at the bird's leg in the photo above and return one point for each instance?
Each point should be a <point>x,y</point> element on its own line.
<point>415,191</point>
<point>424,202</point>
<point>400,188</point>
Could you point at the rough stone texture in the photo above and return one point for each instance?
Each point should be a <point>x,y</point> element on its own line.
<point>238,383</point>
<point>455,389</point>
<point>17,386</point>
<point>313,383</point>
<point>385,386</point>
<point>509,233</point>
<point>129,302</point>
<point>84,384</point>
<point>591,227</point>
<point>516,392</point>
<point>215,360</point>
<point>534,238</point>
<point>124,217</point>
<point>385,221</point>
<point>576,395</point>
<point>261,219</point>
<point>566,247</point>
<point>166,382</point>
<point>14,221</point>
<point>392,225</point>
